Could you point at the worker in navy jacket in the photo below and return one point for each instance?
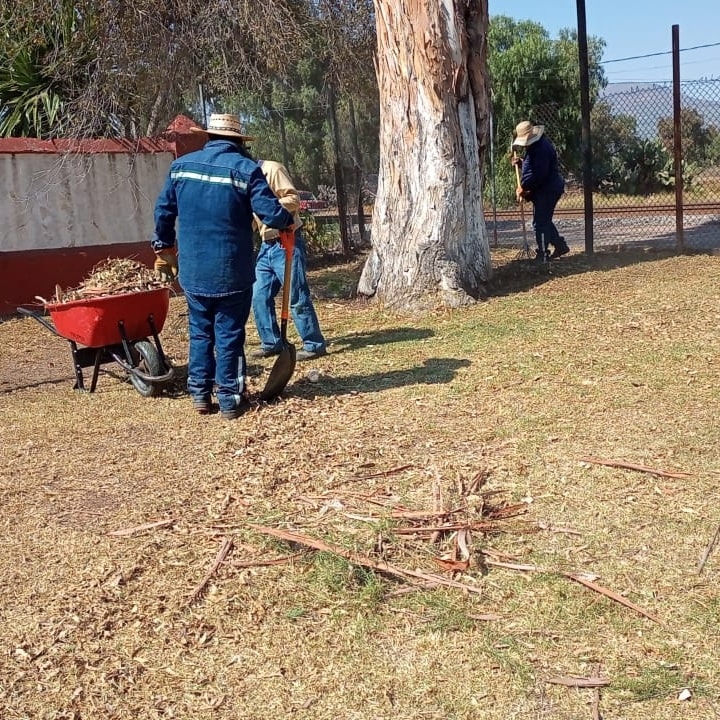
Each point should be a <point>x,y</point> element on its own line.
<point>542,184</point>
<point>212,194</point>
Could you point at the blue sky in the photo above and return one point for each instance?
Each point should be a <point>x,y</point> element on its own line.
<point>635,27</point>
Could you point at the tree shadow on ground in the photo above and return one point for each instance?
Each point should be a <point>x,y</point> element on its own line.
<point>521,273</point>
<point>433,371</point>
<point>353,341</point>
<point>7,387</point>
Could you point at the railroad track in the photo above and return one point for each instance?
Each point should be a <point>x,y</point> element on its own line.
<point>614,211</point>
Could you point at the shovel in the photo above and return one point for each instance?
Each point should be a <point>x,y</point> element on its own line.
<point>284,365</point>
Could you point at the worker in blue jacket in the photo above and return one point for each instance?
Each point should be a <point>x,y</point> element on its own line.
<point>212,194</point>
<point>542,184</point>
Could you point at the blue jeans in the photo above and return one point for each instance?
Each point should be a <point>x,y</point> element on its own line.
<point>217,346</point>
<point>545,230</point>
<point>269,276</point>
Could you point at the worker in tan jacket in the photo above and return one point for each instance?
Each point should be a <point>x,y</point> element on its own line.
<point>270,272</point>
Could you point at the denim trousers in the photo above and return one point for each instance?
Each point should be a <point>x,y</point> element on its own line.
<point>269,276</point>
<point>543,209</point>
<point>217,346</point>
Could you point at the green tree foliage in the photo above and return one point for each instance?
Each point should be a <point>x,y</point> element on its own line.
<point>637,169</point>
<point>344,33</point>
<point>288,111</point>
<point>43,62</point>
<point>615,144</point>
<point>623,162</point>
<point>696,136</point>
<point>287,116</point>
<point>126,68</point>
<point>535,77</point>
<point>713,151</point>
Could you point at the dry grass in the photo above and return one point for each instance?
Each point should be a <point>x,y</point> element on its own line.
<point>615,357</point>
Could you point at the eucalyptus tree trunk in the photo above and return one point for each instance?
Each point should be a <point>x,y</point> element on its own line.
<point>429,242</point>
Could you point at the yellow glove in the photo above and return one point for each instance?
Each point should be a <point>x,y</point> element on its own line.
<point>166,264</point>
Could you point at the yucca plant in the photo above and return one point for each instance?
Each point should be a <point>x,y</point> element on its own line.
<point>40,65</point>
<point>29,104</point>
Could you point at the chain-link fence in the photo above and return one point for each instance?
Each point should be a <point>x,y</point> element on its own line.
<point>633,171</point>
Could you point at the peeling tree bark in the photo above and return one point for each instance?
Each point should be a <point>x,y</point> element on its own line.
<point>429,242</point>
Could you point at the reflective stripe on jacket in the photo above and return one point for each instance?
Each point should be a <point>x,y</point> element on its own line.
<point>212,194</point>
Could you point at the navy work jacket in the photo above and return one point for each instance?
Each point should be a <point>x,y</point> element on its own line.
<point>540,172</point>
<point>213,193</point>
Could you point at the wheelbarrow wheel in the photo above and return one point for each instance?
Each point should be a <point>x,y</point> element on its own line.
<point>147,359</point>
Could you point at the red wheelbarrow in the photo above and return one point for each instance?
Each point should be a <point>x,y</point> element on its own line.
<point>114,328</point>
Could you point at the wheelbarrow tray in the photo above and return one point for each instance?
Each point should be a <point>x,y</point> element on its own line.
<point>97,322</point>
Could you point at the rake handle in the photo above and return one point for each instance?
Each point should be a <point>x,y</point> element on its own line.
<point>522,201</point>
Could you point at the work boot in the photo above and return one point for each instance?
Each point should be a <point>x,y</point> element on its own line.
<point>310,354</point>
<point>264,352</point>
<point>202,405</point>
<point>542,257</point>
<point>560,248</point>
<point>238,410</point>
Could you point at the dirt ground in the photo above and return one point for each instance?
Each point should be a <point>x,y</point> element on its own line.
<point>139,576</point>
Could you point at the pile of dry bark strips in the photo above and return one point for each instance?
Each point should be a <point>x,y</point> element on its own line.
<point>113,276</point>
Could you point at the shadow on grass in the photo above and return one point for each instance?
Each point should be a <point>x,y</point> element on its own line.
<point>9,387</point>
<point>378,337</point>
<point>523,273</point>
<point>513,273</point>
<point>433,371</point>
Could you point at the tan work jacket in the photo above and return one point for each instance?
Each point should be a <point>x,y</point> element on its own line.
<point>281,184</point>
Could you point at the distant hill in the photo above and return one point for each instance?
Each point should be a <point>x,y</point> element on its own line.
<point>649,102</point>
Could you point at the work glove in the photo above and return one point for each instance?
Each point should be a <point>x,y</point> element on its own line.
<point>166,264</point>
<point>516,161</point>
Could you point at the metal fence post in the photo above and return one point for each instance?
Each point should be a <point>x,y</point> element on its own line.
<point>585,116</point>
<point>677,139</point>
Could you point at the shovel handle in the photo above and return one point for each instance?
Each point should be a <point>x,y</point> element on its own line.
<point>287,240</point>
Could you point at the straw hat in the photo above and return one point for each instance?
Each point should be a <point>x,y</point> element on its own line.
<point>225,126</point>
<point>527,133</point>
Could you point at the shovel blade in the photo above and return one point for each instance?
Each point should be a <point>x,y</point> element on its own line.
<point>280,374</point>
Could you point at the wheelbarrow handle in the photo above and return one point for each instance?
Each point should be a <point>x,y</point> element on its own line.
<point>27,312</point>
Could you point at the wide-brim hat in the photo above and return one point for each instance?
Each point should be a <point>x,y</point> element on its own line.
<point>526,133</point>
<point>225,126</point>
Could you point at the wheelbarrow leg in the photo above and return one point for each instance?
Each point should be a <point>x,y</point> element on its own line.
<point>96,369</point>
<point>156,338</point>
<point>79,382</point>
<point>125,342</point>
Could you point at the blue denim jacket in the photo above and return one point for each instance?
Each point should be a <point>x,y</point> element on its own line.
<point>213,193</point>
<point>540,172</point>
